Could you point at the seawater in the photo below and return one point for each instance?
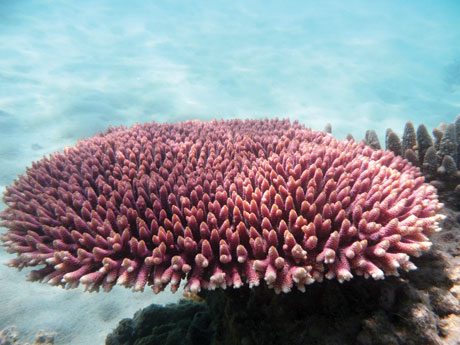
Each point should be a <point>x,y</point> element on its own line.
<point>69,69</point>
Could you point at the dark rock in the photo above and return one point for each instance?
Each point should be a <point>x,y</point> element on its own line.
<point>175,324</point>
<point>443,302</point>
<point>423,323</point>
<point>378,330</point>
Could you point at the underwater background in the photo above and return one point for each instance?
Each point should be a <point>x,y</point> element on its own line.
<point>69,69</point>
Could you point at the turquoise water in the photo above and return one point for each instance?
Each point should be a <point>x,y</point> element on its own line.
<point>69,69</point>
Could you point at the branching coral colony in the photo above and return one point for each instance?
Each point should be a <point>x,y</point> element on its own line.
<point>438,156</point>
<point>219,204</point>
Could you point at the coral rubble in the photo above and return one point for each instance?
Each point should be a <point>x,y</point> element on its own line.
<point>9,336</point>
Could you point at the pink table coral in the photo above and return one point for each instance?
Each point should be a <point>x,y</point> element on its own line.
<point>219,204</point>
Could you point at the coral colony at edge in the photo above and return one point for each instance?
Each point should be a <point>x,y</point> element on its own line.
<point>219,204</point>
<point>438,157</point>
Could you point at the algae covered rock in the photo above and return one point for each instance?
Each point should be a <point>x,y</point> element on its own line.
<point>174,324</point>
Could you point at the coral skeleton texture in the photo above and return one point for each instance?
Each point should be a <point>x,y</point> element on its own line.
<point>217,204</point>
